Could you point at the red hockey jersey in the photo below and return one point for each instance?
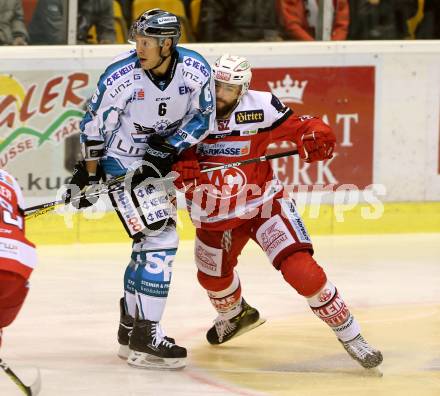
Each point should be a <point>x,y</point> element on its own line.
<point>234,194</point>
<point>17,254</point>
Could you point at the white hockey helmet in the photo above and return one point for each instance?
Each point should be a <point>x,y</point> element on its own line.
<point>231,69</point>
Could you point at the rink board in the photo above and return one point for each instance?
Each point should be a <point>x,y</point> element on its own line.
<point>396,218</point>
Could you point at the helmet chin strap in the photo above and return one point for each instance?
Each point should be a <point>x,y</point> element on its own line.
<point>161,60</point>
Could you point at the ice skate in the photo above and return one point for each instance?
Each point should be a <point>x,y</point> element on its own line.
<point>224,329</point>
<point>362,352</point>
<point>149,348</point>
<point>125,328</point>
<point>124,332</point>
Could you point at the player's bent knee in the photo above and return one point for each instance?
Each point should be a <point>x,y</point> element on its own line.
<point>214,283</point>
<point>303,273</point>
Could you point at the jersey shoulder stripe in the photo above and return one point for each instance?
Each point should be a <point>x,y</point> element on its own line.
<point>194,64</point>
<point>185,52</point>
<point>123,65</point>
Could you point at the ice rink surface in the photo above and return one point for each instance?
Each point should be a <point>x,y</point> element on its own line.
<point>68,325</point>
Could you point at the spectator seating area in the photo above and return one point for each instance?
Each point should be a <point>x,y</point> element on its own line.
<point>189,11</point>
<point>189,24</point>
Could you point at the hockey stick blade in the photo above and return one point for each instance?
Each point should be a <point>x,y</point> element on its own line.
<point>31,390</point>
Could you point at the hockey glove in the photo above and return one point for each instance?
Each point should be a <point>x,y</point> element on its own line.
<point>84,183</point>
<point>158,158</point>
<point>188,168</point>
<point>314,139</point>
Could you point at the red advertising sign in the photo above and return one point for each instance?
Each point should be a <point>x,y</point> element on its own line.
<point>344,98</point>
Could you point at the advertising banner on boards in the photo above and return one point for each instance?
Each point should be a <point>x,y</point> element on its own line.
<point>40,115</point>
<point>344,98</point>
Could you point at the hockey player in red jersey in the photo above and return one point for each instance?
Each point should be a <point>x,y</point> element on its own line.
<point>17,255</point>
<point>231,206</point>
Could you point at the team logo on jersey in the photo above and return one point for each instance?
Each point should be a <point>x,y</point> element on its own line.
<point>225,149</point>
<point>139,94</point>
<point>140,129</point>
<point>226,182</point>
<point>249,117</point>
<point>161,126</point>
<point>141,134</point>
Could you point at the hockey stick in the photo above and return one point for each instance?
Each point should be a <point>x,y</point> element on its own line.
<point>38,210</point>
<point>115,184</point>
<point>251,161</point>
<point>31,390</point>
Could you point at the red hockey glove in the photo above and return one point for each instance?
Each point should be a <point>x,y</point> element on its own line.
<point>189,173</point>
<point>315,140</point>
<point>188,169</point>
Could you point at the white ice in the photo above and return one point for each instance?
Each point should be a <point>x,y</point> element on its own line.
<point>391,283</point>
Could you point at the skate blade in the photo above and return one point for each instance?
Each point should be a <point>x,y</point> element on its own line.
<point>259,322</point>
<point>147,361</point>
<point>124,352</point>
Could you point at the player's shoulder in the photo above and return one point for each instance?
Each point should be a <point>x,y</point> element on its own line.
<point>193,63</point>
<point>255,101</point>
<point>121,65</point>
<point>259,108</point>
<point>264,100</point>
<point>257,97</point>
<point>124,55</point>
<point>188,57</point>
<point>6,179</point>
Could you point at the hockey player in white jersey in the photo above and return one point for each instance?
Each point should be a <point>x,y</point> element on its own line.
<point>150,104</point>
<point>249,202</point>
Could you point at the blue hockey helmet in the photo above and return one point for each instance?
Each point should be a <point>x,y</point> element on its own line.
<point>157,23</point>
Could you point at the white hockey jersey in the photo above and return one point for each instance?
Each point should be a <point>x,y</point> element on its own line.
<point>131,104</point>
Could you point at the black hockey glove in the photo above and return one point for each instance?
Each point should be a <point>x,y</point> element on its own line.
<point>84,183</point>
<point>158,158</point>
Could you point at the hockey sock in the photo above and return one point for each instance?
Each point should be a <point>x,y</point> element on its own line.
<point>328,305</point>
<point>152,282</point>
<point>227,302</point>
<point>129,285</point>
